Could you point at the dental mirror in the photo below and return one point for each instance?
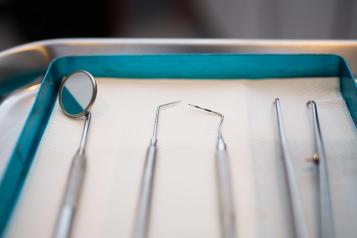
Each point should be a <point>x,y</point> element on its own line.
<point>76,96</point>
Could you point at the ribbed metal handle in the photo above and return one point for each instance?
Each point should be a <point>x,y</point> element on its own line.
<point>71,196</point>
<point>144,201</point>
<point>227,214</point>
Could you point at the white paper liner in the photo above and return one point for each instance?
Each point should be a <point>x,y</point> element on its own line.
<point>185,198</point>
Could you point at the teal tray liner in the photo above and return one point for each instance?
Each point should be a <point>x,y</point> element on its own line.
<point>175,66</point>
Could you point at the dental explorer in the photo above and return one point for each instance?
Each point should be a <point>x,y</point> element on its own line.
<point>226,204</point>
<point>141,228</point>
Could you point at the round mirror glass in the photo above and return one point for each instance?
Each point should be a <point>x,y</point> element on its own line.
<point>77,94</point>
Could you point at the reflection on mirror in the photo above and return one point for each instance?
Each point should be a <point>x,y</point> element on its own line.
<point>76,96</point>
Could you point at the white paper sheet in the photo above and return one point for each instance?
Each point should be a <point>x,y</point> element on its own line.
<point>185,198</point>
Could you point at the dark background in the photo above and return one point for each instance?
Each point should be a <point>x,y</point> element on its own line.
<point>25,21</point>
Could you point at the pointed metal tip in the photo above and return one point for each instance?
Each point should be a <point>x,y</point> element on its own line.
<point>167,104</point>
<point>201,108</point>
<point>276,102</point>
<point>207,110</point>
<point>154,136</point>
<point>310,102</point>
<point>174,102</point>
<point>217,114</point>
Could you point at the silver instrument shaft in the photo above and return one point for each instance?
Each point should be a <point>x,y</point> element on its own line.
<point>326,216</point>
<point>225,193</point>
<point>141,229</point>
<point>144,201</point>
<point>227,213</point>
<point>73,188</point>
<point>294,192</point>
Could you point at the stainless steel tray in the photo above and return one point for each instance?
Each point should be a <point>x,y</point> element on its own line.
<point>37,55</point>
<point>33,59</point>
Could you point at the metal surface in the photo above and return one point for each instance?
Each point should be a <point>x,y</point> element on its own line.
<point>71,196</point>
<point>156,123</point>
<point>142,219</point>
<point>91,102</point>
<point>73,188</point>
<point>13,114</point>
<point>221,145</point>
<point>225,193</point>
<point>33,58</point>
<point>325,210</point>
<point>77,171</point>
<point>83,144</point>
<point>297,210</point>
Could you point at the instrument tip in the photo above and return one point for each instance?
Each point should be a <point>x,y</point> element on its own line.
<point>167,104</point>
<point>310,102</point>
<point>194,105</point>
<point>217,114</point>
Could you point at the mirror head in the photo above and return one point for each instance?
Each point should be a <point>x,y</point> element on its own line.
<point>77,94</point>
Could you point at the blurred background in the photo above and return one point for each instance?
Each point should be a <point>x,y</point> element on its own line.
<point>30,20</point>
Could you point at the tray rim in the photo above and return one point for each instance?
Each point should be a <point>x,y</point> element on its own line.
<point>317,65</point>
<point>25,65</point>
<point>42,52</point>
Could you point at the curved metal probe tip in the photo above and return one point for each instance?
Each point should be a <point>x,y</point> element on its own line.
<point>276,100</point>
<point>154,135</point>
<point>221,142</point>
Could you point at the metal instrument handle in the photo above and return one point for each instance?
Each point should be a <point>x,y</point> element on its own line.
<point>295,198</point>
<point>326,217</point>
<point>297,208</point>
<point>227,217</point>
<point>145,196</point>
<point>71,196</point>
